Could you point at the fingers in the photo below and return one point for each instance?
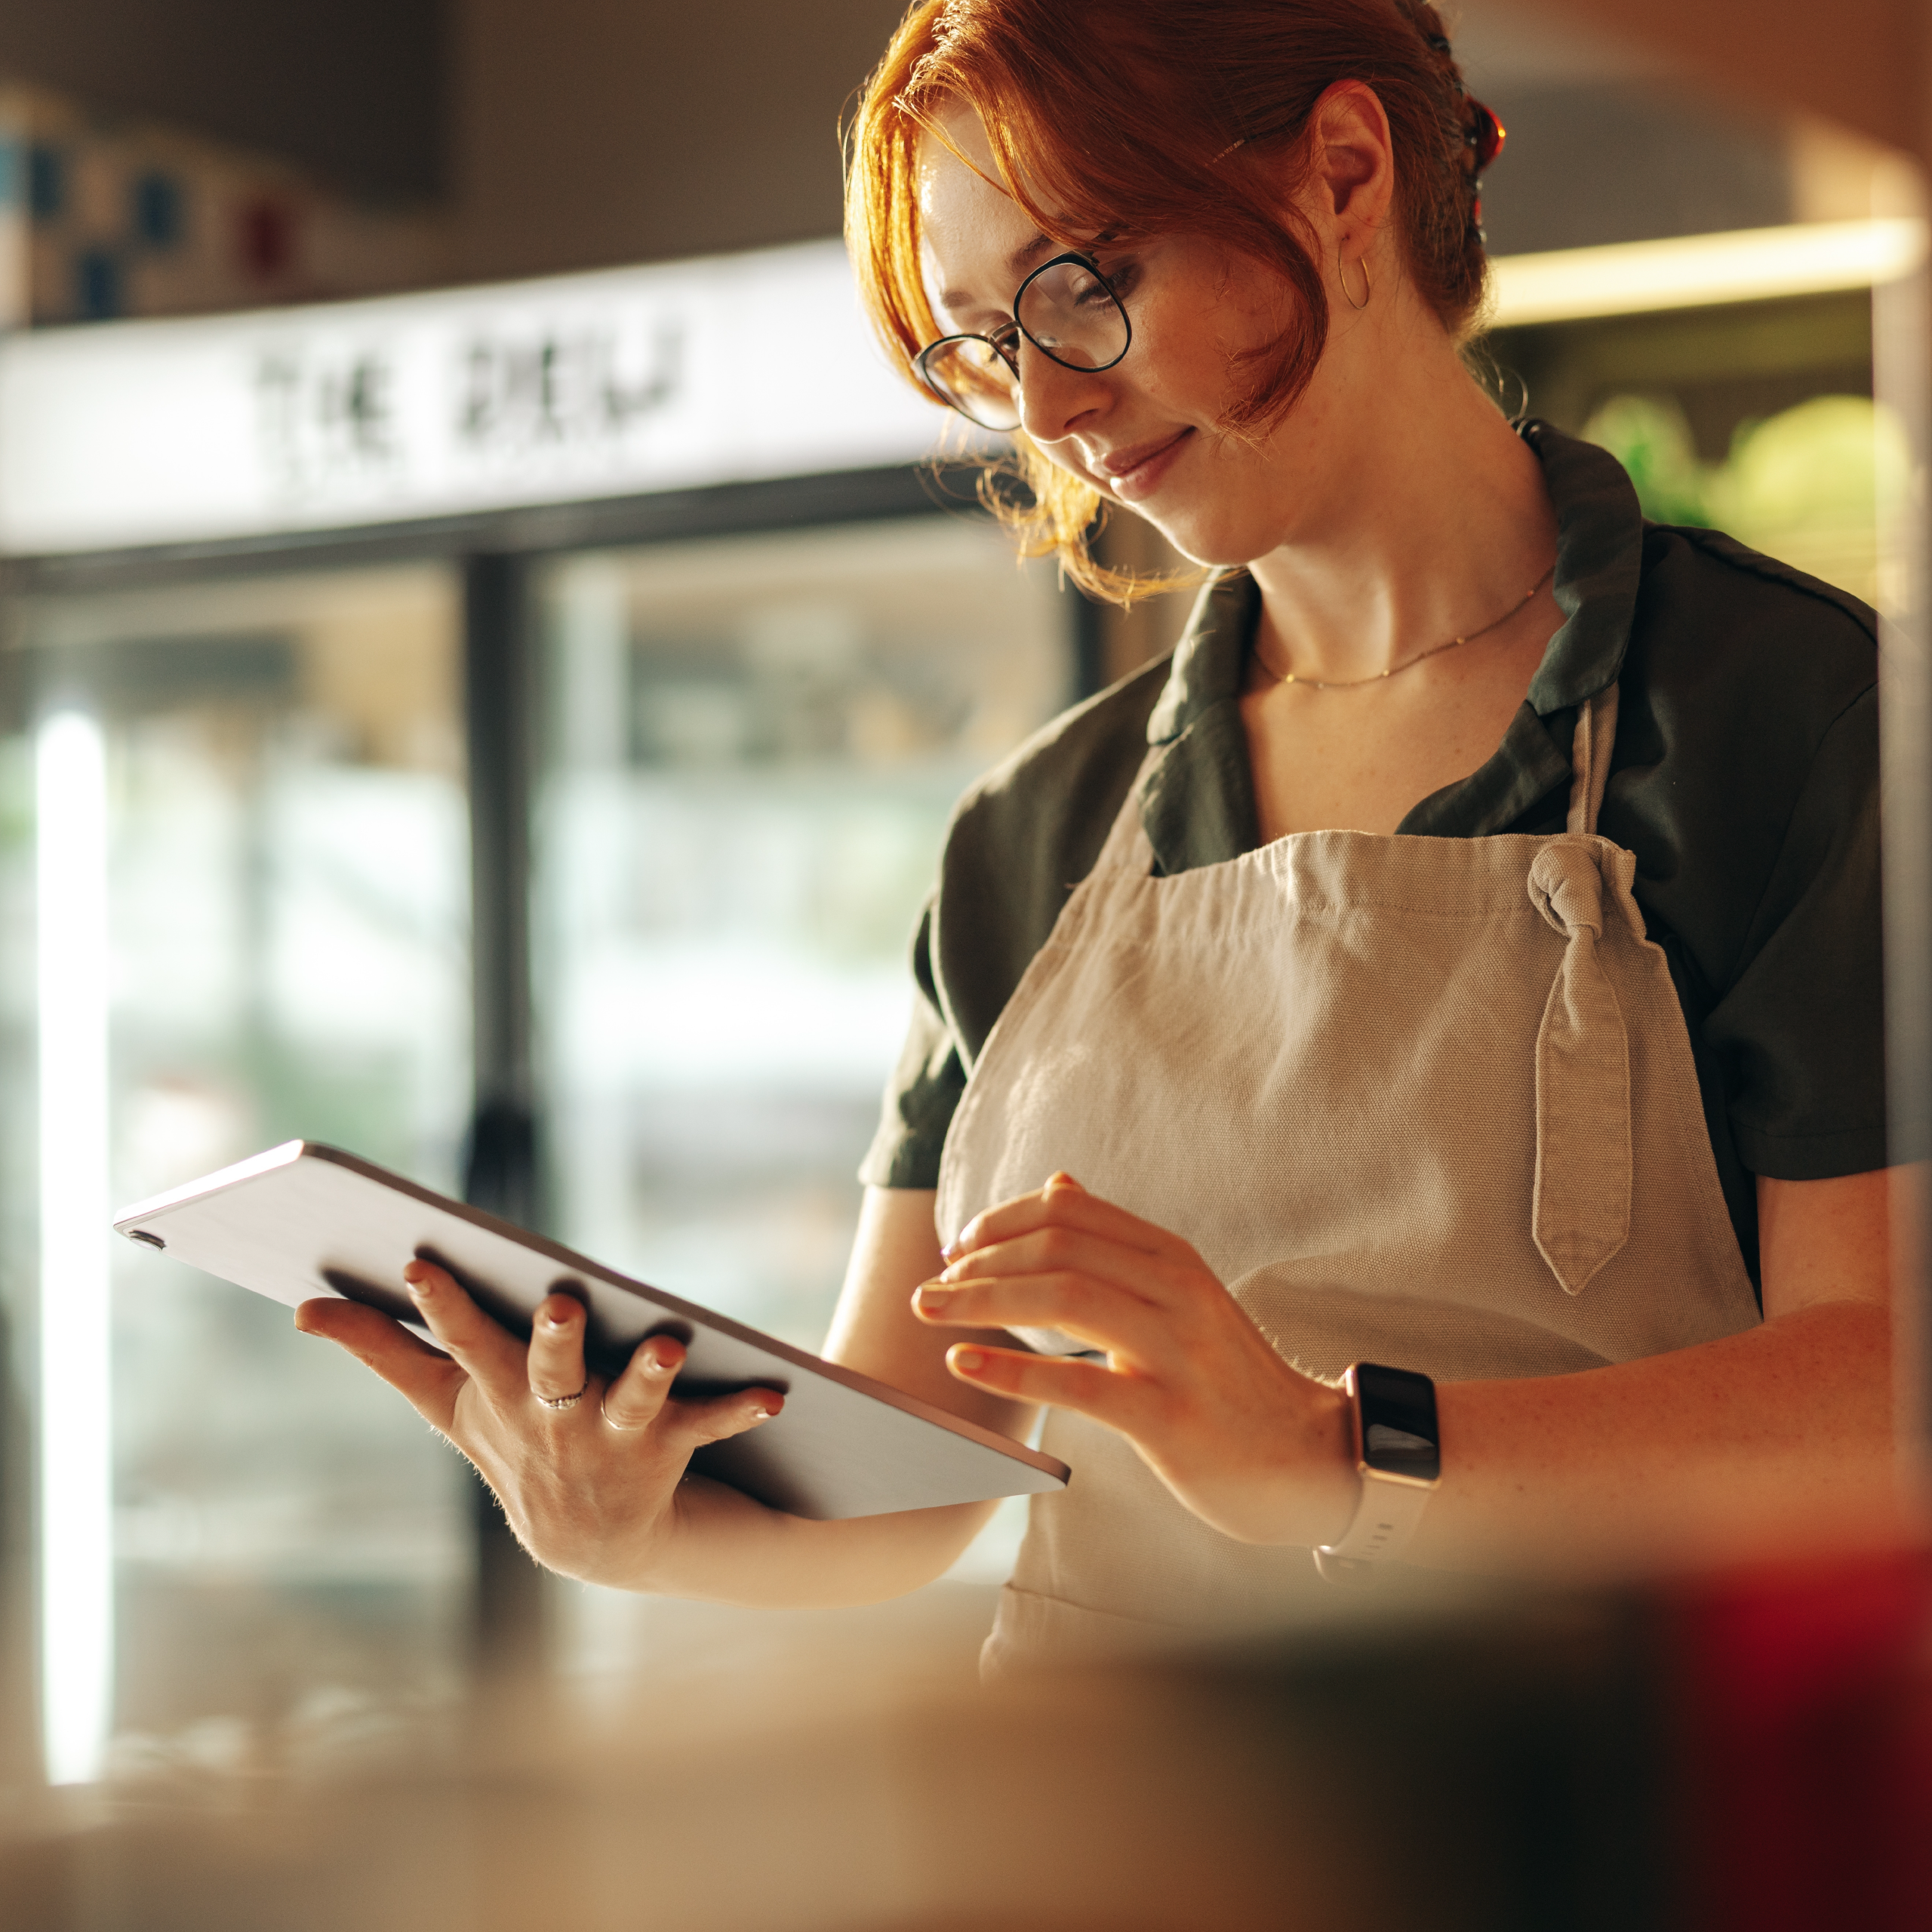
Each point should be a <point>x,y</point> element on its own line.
<point>641,1396</point>
<point>554,1364</point>
<point>637,1397</point>
<point>1092,1312</point>
<point>551,1367</point>
<point>1064,1203</point>
<point>1153,1278</point>
<point>429,1380</point>
<point>718,1417</point>
<point>1123,1299</point>
<point>1125,1402</point>
<point>487,1352</point>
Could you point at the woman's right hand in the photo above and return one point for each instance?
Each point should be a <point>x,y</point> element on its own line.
<point>591,1490</point>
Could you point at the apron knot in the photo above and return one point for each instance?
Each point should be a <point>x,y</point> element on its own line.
<point>1581,1212</point>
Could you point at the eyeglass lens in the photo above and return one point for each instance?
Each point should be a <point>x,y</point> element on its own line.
<point>972,375</point>
<point>1071,314</point>
<point>1068,313</point>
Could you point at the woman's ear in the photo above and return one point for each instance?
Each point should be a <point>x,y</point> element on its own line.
<point>1352,164</point>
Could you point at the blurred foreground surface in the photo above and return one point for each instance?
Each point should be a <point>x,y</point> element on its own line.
<point>1754,1751</point>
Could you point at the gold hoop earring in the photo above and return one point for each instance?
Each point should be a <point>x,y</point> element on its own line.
<point>1341,275</point>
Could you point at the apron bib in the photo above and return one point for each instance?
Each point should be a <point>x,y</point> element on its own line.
<point>1428,1101</point>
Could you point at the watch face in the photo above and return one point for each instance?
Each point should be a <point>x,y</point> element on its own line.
<point>1398,1429</point>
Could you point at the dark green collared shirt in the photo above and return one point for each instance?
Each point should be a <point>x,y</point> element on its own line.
<point>1744,778</point>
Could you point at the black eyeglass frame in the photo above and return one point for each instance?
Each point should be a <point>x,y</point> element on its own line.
<point>1008,351</point>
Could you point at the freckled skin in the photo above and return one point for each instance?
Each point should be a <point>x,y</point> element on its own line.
<point>1392,508</point>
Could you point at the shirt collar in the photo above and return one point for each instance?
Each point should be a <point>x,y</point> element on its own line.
<point>1599,554</point>
<point>1599,565</point>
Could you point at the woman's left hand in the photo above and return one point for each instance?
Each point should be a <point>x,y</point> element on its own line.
<point>1254,1447</point>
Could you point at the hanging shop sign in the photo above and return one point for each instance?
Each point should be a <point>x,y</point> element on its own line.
<point>738,368</point>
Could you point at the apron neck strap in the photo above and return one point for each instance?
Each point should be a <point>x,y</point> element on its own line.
<point>1589,757</point>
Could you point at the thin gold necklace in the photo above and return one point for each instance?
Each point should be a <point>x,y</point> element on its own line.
<point>1407,663</point>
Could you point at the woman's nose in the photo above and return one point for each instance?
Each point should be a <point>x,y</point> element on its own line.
<point>1053,397</point>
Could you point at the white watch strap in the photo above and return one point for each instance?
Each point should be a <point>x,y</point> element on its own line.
<point>1385,1519</point>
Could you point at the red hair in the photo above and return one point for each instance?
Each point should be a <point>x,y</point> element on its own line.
<point>1138,118</point>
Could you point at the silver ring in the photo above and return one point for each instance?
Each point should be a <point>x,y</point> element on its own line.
<point>562,1402</point>
<point>621,1428</point>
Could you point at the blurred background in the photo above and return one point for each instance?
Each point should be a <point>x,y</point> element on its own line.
<point>507,730</point>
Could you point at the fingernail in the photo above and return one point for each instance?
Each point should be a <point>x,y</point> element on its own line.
<point>761,1413</point>
<point>418,1291</point>
<point>1060,1179</point>
<point>954,1249</point>
<point>934,1300</point>
<point>971,1360</point>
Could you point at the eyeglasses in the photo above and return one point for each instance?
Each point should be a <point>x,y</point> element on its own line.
<point>1065,309</point>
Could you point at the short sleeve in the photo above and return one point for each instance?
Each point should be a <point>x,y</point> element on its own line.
<point>924,1086</point>
<point>1799,1033</point>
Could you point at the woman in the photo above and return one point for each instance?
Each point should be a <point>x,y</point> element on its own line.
<point>1463,957</point>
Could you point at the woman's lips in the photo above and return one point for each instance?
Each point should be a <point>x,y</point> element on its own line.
<point>1134,474</point>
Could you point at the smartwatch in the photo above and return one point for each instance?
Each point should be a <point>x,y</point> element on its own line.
<point>1398,1456</point>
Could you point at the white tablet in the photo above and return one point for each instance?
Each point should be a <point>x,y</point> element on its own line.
<point>302,1220</point>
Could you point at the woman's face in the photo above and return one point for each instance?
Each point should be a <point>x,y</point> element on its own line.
<point>1147,432</point>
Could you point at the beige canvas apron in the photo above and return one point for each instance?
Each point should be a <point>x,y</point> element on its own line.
<point>1428,1102</point>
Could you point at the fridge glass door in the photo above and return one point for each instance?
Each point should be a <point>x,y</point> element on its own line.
<point>755,744</point>
<point>256,788</point>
